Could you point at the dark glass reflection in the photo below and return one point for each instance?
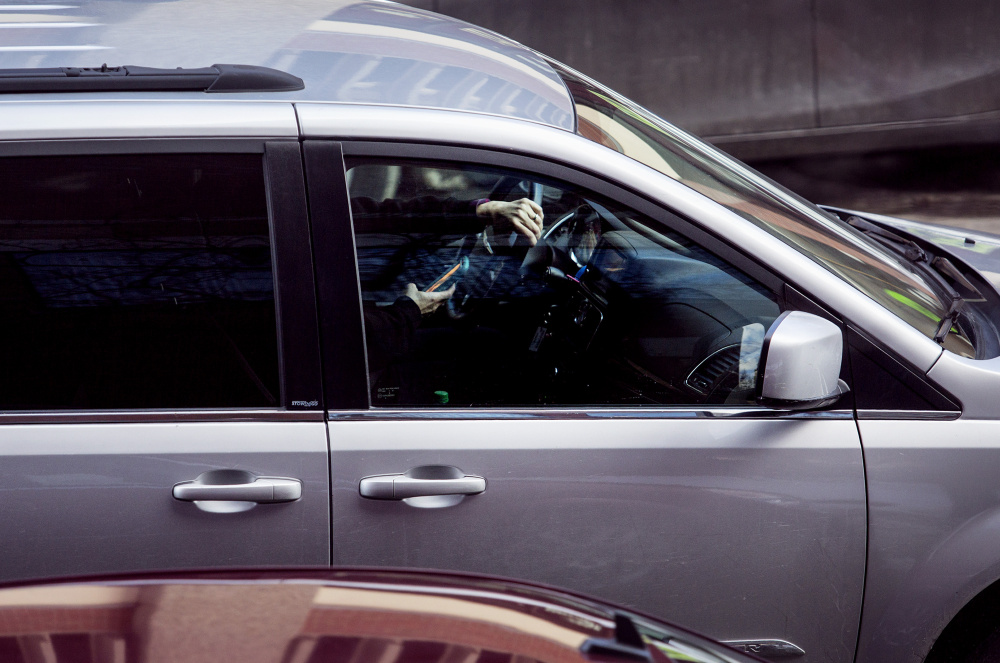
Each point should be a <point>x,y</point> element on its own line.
<point>136,282</point>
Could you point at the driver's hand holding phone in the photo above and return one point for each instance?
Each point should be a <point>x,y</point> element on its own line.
<point>428,302</point>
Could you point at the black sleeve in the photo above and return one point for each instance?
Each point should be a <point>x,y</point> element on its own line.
<point>389,330</point>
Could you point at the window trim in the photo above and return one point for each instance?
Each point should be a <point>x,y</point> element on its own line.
<point>299,359</point>
<point>156,416</point>
<point>344,360</point>
<point>710,412</point>
<point>99,146</point>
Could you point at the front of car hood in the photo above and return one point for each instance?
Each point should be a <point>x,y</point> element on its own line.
<point>979,250</point>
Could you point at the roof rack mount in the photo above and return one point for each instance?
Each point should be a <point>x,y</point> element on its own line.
<point>128,78</point>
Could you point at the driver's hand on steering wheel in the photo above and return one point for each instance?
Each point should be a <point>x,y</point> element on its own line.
<point>522,216</point>
<point>428,302</point>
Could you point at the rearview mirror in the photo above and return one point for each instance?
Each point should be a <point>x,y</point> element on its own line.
<point>800,363</point>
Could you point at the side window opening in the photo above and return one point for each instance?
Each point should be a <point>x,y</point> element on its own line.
<point>136,281</point>
<point>607,308</point>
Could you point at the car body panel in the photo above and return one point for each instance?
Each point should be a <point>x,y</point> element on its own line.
<point>51,120</point>
<point>934,530</point>
<point>375,53</point>
<point>365,52</point>
<point>732,525</point>
<point>974,382</point>
<point>92,490</point>
<point>89,498</point>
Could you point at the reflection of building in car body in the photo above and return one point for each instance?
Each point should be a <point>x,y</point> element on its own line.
<point>316,617</point>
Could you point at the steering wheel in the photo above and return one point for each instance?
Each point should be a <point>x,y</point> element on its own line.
<point>567,244</point>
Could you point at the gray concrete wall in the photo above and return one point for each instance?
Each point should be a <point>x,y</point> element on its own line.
<point>898,60</point>
<point>712,66</point>
<point>723,67</point>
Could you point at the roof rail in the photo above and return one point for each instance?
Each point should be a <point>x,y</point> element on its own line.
<point>217,78</point>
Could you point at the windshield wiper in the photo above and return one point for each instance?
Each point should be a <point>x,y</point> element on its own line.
<point>939,266</point>
<point>935,267</point>
<point>948,321</point>
<point>944,266</point>
<point>898,244</point>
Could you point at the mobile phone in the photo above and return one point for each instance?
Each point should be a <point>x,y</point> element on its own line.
<point>450,276</point>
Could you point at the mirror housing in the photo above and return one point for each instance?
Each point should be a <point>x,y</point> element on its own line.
<point>800,363</point>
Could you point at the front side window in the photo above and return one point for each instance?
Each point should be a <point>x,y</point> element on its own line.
<point>136,282</point>
<point>615,122</point>
<point>486,287</point>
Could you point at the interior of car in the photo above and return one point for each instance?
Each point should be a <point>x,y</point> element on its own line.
<point>607,308</point>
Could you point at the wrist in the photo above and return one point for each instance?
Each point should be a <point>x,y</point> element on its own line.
<point>482,207</point>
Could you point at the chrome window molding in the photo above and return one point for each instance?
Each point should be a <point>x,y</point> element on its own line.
<point>582,414</point>
<point>158,416</point>
<point>455,128</point>
<point>922,415</point>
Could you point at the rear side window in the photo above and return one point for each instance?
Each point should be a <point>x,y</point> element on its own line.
<point>136,281</point>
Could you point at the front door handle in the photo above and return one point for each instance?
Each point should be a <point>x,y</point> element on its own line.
<point>426,481</point>
<point>261,490</point>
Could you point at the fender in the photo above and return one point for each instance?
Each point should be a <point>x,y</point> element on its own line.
<point>934,538</point>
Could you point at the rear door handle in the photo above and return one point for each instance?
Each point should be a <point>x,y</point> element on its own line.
<point>262,490</point>
<point>425,481</point>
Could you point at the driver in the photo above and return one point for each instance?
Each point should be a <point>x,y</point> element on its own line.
<point>390,329</point>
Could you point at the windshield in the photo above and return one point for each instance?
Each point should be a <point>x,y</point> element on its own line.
<point>607,118</point>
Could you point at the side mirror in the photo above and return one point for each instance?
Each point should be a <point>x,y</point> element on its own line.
<point>800,363</point>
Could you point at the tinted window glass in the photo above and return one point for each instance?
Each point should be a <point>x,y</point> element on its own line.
<point>136,282</point>
<point>606,308</point>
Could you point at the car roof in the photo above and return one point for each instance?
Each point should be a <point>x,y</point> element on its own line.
<point>363,52</point>
<point>384,53</point>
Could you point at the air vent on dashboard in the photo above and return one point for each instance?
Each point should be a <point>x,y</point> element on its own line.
<point>713,368</point>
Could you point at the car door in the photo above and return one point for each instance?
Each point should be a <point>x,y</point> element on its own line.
<point>587,402</point>
<point>158,409</point>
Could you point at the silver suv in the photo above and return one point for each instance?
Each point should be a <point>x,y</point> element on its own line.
<point>433,300</point>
